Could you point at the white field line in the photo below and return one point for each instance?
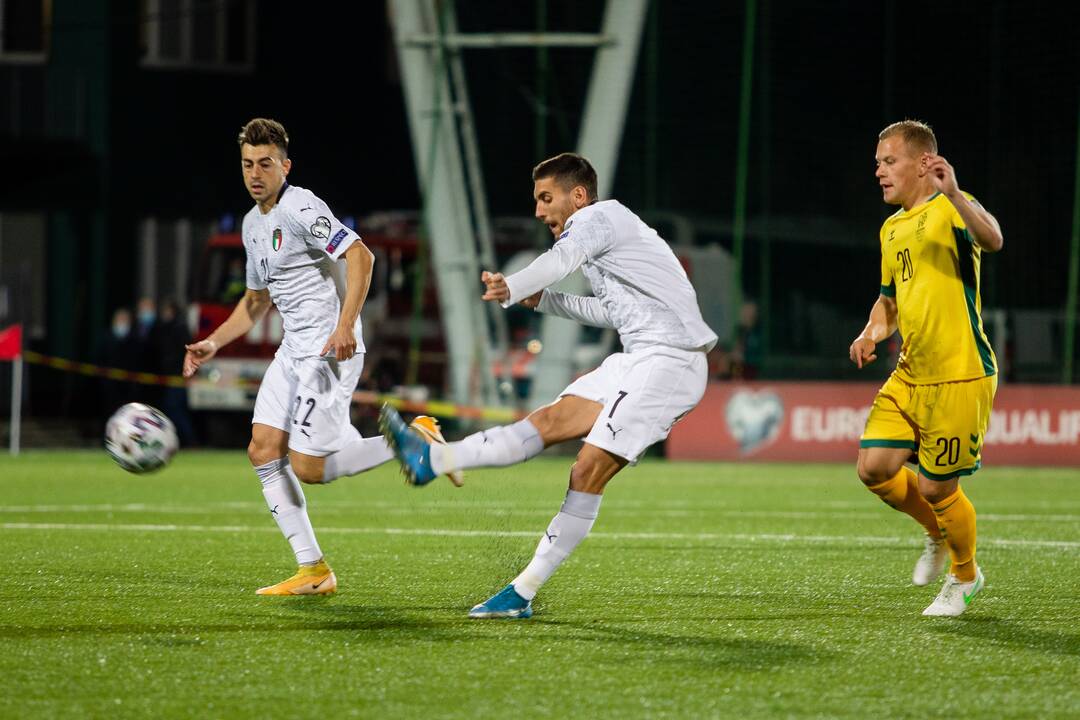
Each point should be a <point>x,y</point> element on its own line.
<point>394,508</point>
<point>698,537</point>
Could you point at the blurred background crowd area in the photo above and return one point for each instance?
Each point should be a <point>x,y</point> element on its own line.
<point>747,141</point>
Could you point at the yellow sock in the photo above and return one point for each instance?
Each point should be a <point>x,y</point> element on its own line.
<point>901,491</point>
<point>956,518</point>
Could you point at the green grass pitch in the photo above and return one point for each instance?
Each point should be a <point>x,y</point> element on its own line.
<point>705,590</point>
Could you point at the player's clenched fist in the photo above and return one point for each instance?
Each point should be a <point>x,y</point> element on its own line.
<point>862,351</point>
<point>496,288</point>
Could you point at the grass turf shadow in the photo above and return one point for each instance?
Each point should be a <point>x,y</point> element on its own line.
<point>1017,634</point>
<point>378,620</point>
<point>699,650</point>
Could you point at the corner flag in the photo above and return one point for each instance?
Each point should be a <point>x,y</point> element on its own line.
<point>11,342</point>
<point>11,349</point>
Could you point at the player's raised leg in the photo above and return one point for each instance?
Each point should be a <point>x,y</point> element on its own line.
<point>568,418</point>
<point>361,454</point>
<point>588,477</point>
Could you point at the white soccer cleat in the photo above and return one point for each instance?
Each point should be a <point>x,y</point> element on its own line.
<point>931,562</point>
<point>955,596</point>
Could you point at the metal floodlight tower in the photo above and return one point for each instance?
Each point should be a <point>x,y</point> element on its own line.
<point>448,167</point>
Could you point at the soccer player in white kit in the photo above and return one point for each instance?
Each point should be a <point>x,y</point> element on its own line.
<point>621,408</point>
<point>300,429</point>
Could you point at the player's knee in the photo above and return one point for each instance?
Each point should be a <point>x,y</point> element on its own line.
<point>259,453</point>
<point>546,422</point>
<point>873,472</point>
<point>255,454</point>
<point>568,418</point>
<point>935,491</point>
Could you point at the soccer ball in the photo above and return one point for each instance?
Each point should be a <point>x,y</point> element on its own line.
<point>140,438</point>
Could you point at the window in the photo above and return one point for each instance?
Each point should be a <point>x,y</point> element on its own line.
<point>24,26</point>
<point>197,34</point>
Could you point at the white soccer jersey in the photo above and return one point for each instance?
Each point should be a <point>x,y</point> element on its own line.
<point>291,251</point>
<point>639,286</point>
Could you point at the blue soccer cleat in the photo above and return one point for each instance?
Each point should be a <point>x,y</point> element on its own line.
<point>504,604</point>
<point>412,451</point>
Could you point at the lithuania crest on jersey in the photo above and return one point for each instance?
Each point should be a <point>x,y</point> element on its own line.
<point>277,239</point>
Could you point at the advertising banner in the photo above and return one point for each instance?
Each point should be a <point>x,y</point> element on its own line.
<point>811,422</point>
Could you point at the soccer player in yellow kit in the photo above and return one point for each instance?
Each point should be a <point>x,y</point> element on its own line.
<point>937,401</point>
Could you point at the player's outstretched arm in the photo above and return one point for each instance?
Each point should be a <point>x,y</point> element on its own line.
<point>983,227</point>
<point>358,263</point>
<point>252,306</point>
<point>548,269</point>
<point>882,324</point>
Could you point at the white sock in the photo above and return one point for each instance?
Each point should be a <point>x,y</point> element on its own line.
<point>281,488</point>
<point>503,445</point>
<point>566,531</point>
<point>356,457</point>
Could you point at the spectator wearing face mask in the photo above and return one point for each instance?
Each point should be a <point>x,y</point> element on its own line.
<point>117,350</point>
<point>145,359</point>
<point>145,315</point>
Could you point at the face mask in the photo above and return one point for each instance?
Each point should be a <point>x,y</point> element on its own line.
<point>146,317</point>
<point>120,330</point>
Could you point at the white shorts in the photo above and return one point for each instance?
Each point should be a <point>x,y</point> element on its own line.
<point>309,398</point>
<point>644,394</point>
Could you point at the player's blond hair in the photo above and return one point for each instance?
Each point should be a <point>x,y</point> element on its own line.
<point>917,134</point>
<point>264,131</point>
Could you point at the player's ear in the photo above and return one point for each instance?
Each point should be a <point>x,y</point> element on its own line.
<point>923,158</point>
<point>579,196</point>
<point>286,165</point>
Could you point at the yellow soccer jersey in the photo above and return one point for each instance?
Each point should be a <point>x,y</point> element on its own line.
<point>930,264</point>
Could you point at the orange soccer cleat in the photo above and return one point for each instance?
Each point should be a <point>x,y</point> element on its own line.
<point>317,579</point>
<point>427,427</point>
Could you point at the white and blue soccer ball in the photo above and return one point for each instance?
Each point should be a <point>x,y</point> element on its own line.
<point>140,438</point>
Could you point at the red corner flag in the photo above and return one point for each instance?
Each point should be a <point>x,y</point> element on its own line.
<point>11,342</point>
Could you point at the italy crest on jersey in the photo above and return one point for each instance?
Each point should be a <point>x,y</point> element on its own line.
<point>277,239</point>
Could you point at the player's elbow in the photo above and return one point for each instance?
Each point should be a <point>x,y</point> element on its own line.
<point>369,257</point>
<point>257,306</point>
<point>360,253</point>
<point>994,243</point>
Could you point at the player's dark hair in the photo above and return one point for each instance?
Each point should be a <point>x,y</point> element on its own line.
<point>263,131</point>
<point>569,170</point>
<point>917,134</point>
